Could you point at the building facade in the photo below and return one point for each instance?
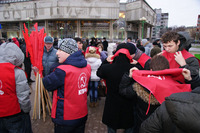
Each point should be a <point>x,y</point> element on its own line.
<point>161,23</point>
<point>76,18</point>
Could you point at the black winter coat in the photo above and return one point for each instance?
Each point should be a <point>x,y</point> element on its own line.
<point>118,110</point>
<point>180,113</point>
<point>131,89</point>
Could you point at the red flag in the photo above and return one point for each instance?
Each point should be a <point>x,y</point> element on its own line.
<point>35,46</point>
<point>161,83</point>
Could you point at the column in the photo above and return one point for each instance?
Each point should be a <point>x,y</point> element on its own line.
<point>111,30</point>
<point>150,33</point>
<point>20,29</point>
<point>78,28</point>
<point>125,31</point>
<point>46,27</point>
<point>140,31</point>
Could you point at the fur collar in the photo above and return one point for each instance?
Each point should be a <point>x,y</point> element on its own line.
<point>92,55</point>
<point>144,95</point>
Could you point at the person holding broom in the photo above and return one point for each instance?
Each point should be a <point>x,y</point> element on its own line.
<point>69,82</point>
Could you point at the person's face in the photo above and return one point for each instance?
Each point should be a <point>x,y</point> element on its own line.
<point>100,48</point>
<point>80,45</point>
<point>48,46</point>
<point>128,40</point>
<point>62,56</point>
<point>171,47</point>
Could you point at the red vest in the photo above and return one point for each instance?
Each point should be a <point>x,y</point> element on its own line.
<point>75,92</point>
<point>143,59</point>
<point>170,57</point>
<point>9,104</point>
<point>161,83</point>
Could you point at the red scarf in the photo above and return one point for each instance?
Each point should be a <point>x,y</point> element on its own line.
<point>122,51</point>
<point>170,57</point>
<point>161,83</point>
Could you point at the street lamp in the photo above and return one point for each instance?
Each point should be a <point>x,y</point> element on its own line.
<point>143,20</point>
<point>61,29</point>
<point>28,21</point>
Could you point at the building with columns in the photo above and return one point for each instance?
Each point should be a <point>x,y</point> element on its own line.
<point>77,18</point>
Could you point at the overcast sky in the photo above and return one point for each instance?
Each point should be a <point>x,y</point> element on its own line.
<point>181,12</point>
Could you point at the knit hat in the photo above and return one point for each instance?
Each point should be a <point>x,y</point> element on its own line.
<point>68,45</point>
<point>48,39</point>
<point>131,48</point>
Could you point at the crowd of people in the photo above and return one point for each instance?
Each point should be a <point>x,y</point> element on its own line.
<point>150,87</point>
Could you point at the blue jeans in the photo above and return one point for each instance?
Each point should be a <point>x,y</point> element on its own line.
<point>93,91</point>
<point>19,123</point>
<point>69,129</point>
<point>128,130</point>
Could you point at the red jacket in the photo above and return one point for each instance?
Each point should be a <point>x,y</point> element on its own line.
<point>9,102</point>
<point>75,89</point>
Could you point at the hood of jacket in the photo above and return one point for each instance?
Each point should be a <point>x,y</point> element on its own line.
<point>144,94</point>
<point>76,59</point>
<point>145,43</point>
<point>185,40</point>
<point>10,52</point>
<point>184,110</point>
<point>14,39</point>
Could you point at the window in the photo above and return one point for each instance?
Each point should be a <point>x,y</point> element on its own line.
<point>12,1</point>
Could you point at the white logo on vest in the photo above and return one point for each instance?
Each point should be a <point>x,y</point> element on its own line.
<point>82,80</point>
<point>1,85</point>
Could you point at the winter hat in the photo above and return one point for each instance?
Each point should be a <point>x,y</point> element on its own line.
<point>131,48</point>
<point>92,51</point>
<point>68,45</point>
<point>10,52</point>
<point>144,42</point>
<point>48,39</point>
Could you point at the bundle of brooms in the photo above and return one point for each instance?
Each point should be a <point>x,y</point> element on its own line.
<point>35,47</point>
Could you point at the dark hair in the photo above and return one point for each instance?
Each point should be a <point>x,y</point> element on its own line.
<point>77,39</point>
<point>170,36</point>
<point>159,62</point>
<point>129,38</point>
<point>155,51</point>
<point>100,44</point>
